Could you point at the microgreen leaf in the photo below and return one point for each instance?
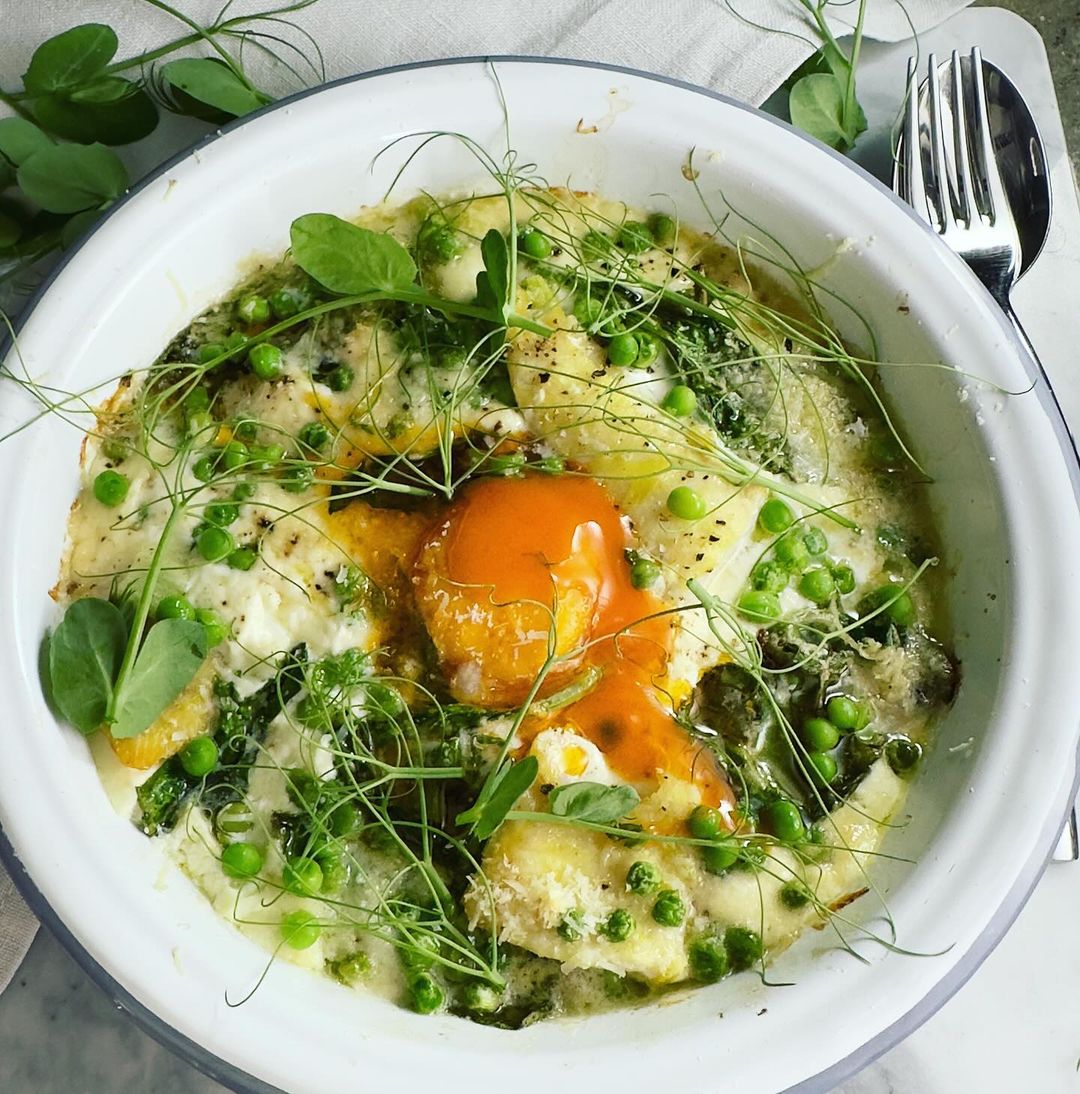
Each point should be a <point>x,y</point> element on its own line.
<point>67,178</point>
<point>20,139</point>
<point>492,283</point>
<point>70,59</point>
<point>211,82</point>
<point>85,652</point>
<point>817,106</point>
<point>75,227</point>
<point>170,656</point>
<point>514,780</point>
<point>112,110</point>
<point>347,259</point>
<point>594,802</point>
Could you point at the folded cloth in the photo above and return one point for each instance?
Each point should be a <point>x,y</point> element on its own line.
<point>742,48</point>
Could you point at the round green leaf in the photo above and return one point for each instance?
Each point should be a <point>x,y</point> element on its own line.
<point>84,657</point>
<point>20,139</point>
<point>348,259</point>
<point>77,226</point>
<point>213,83</point>
<point>67,178</point>
<point>70,59</point>
<point>816,105</point>
<point>112,111</point>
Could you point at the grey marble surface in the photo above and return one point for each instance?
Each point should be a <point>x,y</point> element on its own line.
<point>1015,1027</point>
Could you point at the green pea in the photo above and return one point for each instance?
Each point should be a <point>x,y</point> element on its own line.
<point>300,930</point>
<point>720,858</point>
<point>110,488</point>
<point>199,757</point>
<point>221,513</point>
<point>339,378</point>
<point>315,435</point>
<point>242,558</point>
<point>791,551</point>
<point>263,457</point>
<point>534,243</point>
<point>203,469</point>
<point>618,926</point>
<point>214,544</point>
<point>648,348</point>
<point>344,820</point>
<point>795,895</point>
<point>902,754</point>
<point>265,361</point>
<point>244,491</point>
<point>663,229</point>
<point>571,927</point>
<point>302,876</point>
<point>595,246</point>
<point>846,713</point>
<point>635,237</point>
<point>235,342</point>
<point>680,401</point>
<point>769,576</point>
<point>898,606</point>
<point>817,584</point>
<point>352,969</point>
<point>705,822</point>
<point>245,430</point>
<point>438,242</point>
<point>642,878</point>
<point>299,478</point>
<point>820,734</point>
<point>775,516</point>
<point>844,577</point>
<point>174,607</point>
<point>783,819</point>
<point>198,421</point>
<point>335,870</point>
<point>622,350</point>
<point>234,455</point>
<point>480,998</point>
<point>824,766</point>
<point>209,351</point>
<point>216,629</point>
<point>686,503</point>
<point>241,860</point>
<point>708,959</point>
<point>253,308</point>
<point>587,310</point>
<point>644,573</point>
<point>668,910</point>
<point>759,607</point>
<point>233,819</point>
<point>425,994</point>
<point>816,542</point>
<point>743,947</point>
<point>285,303</point>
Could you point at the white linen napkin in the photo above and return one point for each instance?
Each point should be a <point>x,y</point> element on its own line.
<point>743,48</point>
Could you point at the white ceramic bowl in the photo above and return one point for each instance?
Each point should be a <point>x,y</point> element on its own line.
<point>996,787</point>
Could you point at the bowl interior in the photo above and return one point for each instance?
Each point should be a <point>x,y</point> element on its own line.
<point>998,478</point>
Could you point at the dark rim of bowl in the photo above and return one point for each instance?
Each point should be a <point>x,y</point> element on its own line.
<point>244,1083</point>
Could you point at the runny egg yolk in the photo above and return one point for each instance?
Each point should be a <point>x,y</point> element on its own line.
<point>519,569</point>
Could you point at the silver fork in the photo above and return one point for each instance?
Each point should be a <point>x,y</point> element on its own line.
<point>948,172</point>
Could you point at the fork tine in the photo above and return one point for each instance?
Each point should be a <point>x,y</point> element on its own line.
<point>984,151</point>
<point>913,184</point>
<point>939,171</point>
<point>965,190</point>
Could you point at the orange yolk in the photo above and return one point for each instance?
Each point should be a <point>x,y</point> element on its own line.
<point>518,569</point>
